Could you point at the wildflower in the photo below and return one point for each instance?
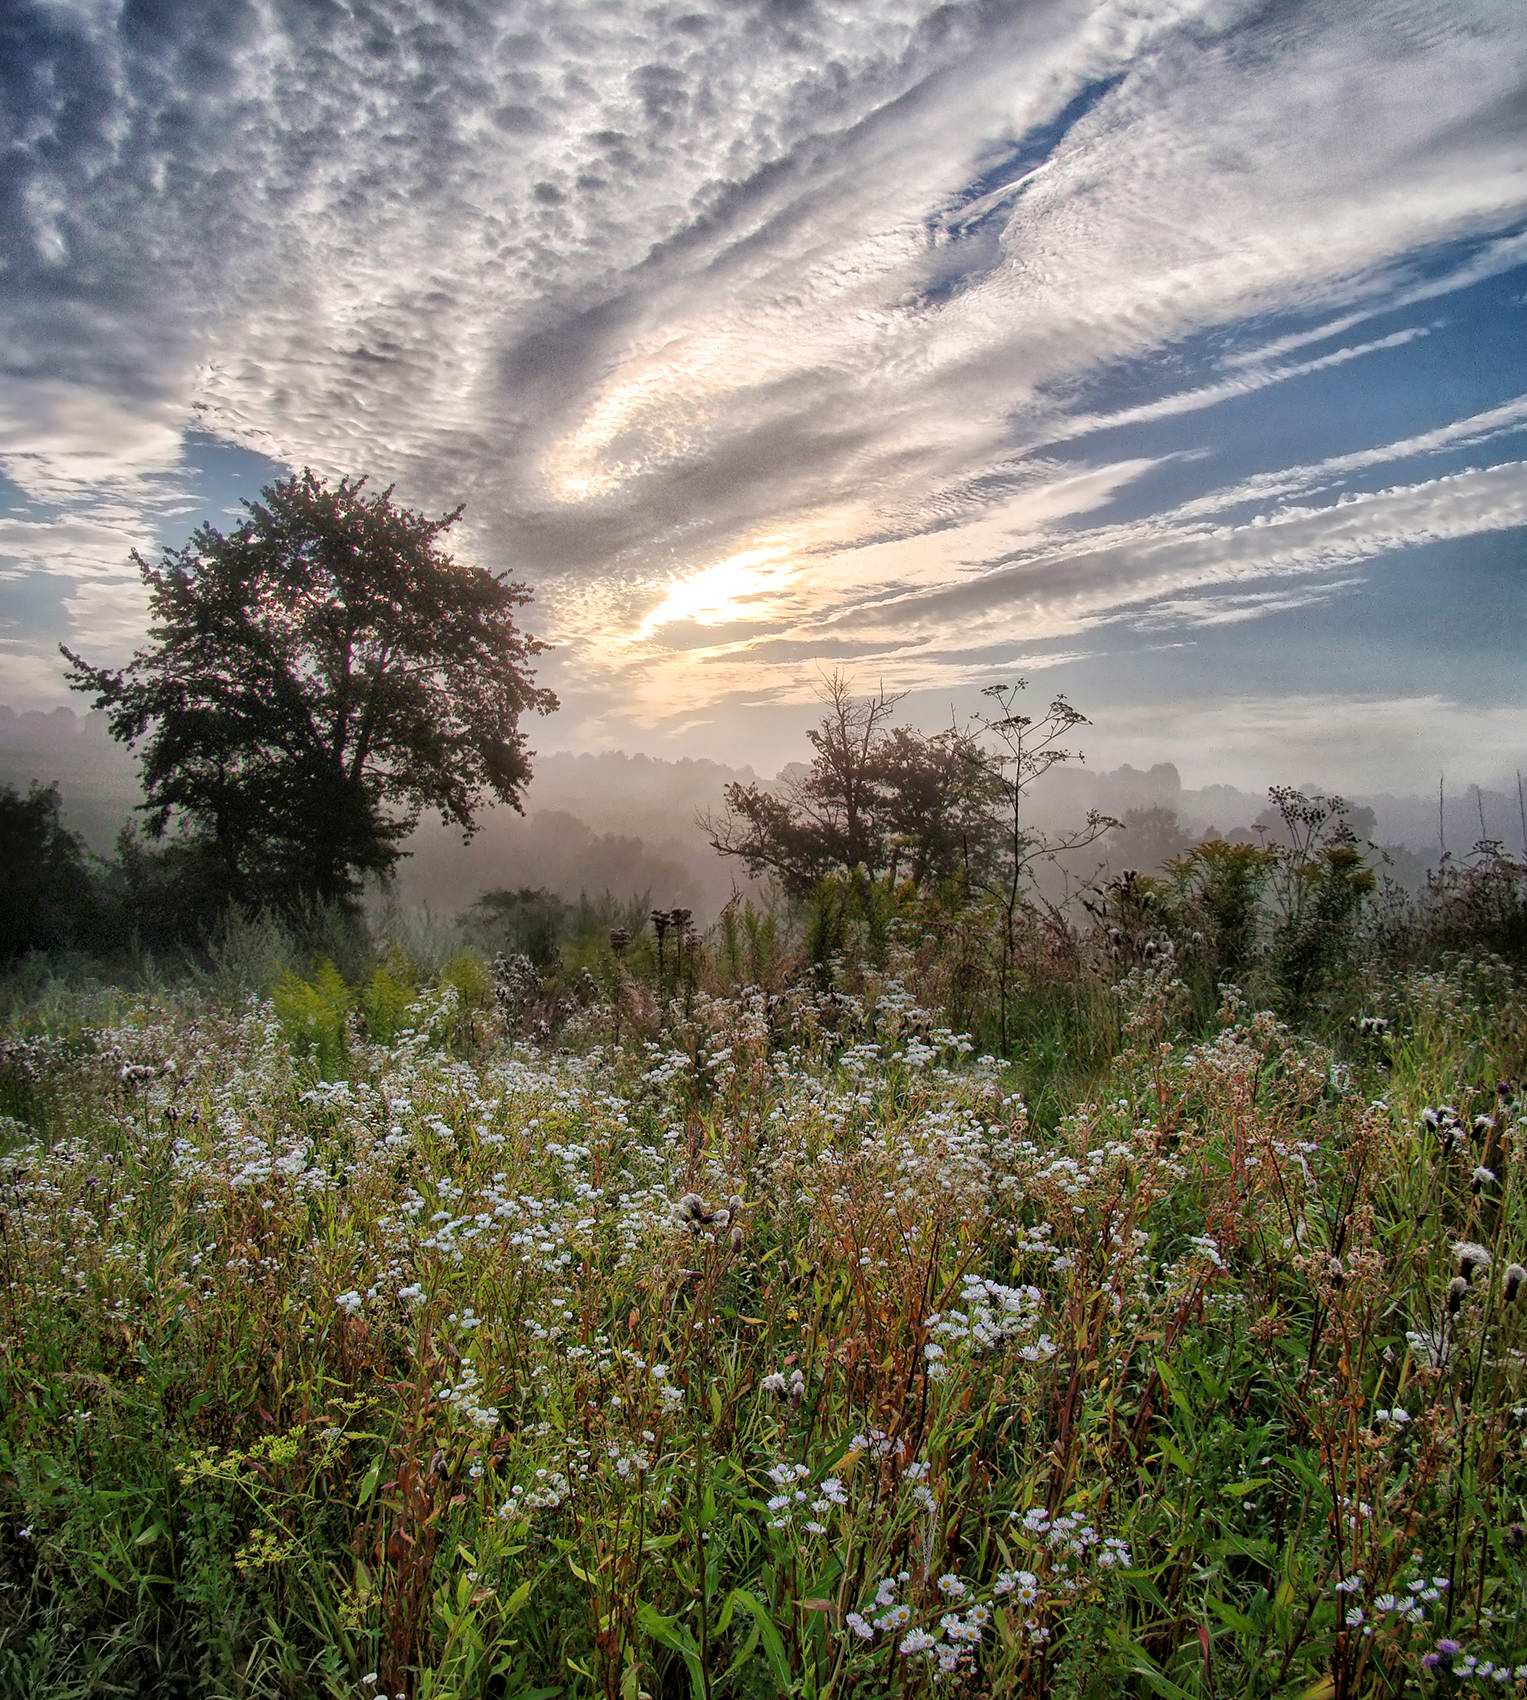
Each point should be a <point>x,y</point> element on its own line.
<point>1457,1292</point>
<point>1470,1256</point>
<point>914,1641</point>
<point>1350,1585</point>
<point>1482,1177</point>
<point>863,1629</point>
<point>951,1587</point>
<point>349,1302</point>
<point>690,1211</point>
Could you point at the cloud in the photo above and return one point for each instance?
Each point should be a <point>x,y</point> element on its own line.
<point>655,288</point>
<point>1361,745</point>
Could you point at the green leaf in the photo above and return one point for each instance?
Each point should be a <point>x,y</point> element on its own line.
<point>1239,1490</point>
<point>669,1632</point>
<point>369,1481</point>
<point>774,1648</point>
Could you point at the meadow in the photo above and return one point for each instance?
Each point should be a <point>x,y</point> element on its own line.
<point>371,1332</point>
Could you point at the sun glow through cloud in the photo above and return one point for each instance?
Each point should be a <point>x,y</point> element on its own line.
<point>744,586</point>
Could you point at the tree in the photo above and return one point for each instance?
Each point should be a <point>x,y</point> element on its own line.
<point>530,922</point>
<point>49,896</point>
<point>874,798</point>
<point>1148,839</point>
<point>315,679</point>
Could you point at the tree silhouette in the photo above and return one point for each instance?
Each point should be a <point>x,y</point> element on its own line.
<point>874,797</point>
<point>315,679</point>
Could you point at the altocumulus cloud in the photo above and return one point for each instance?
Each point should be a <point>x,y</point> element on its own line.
<point>760,336</point>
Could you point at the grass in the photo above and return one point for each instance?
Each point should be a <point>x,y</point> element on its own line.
<point>789,1349</point>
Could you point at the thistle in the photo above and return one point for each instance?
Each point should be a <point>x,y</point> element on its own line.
<point>1471,1256</point>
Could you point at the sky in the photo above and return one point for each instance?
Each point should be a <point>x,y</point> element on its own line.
<point>1167,353</point>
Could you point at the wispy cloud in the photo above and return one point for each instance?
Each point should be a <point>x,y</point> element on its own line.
<point>760,335</point>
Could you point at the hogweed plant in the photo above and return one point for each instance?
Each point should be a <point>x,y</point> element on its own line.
<point>353,1346</point>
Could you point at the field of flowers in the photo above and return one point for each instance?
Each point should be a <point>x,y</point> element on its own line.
<point>784,1352</point>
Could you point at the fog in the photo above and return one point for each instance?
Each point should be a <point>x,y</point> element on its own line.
<point>627,823</point>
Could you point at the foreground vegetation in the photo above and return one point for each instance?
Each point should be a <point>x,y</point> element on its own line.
<point>754,1340</point>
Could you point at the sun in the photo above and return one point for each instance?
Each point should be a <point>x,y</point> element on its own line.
<point>725,591</point>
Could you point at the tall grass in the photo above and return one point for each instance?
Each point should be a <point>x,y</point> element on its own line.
<point>352,1345</point>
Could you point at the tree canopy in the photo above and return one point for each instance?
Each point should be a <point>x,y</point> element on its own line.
<point>48,900</point>
<point>314,680</point>
<point>874,797</point>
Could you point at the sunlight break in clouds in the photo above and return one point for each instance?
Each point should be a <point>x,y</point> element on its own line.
<point>765,338</point>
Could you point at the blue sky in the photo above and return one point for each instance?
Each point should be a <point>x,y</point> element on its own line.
<point>1170,352</point>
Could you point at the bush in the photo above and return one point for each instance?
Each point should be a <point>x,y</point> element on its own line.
<point>315,1017</point>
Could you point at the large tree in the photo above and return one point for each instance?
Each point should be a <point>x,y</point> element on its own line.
<point>314,680</point>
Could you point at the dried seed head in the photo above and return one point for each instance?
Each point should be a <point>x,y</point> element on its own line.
<point>736,1239</point>
<point>1516,1537</point>
<point>1514,1277</point>
<point>1457,1292</point>
<point>690,1209</point>
<point>734,1204</point>
<point>1471,1256</point>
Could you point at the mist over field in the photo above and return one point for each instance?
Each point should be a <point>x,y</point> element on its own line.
<point>627,823</point>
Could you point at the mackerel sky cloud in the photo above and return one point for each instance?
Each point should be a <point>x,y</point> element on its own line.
<point>1172,347</point>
